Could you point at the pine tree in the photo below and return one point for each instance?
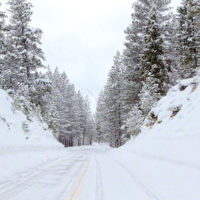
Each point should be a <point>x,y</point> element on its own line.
<point>24,55</point>
<point>48,109</point>
<point>147,48</point>
<point>171,52</point>
<point>67,112</point>
<point>153,64</point>
<point>101,118</point>
<point>153,59</point>
<point>4,71</point>
<point>188,38</point>
<point>135,120</point>
<point>149,95</point>
<point>132,57</point>
<point>85,124</point>
<point>114,104</point>
<point>89,123</point>
<point>81,119</point>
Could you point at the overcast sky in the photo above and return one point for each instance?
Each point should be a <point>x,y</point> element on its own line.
<point>82,36</point>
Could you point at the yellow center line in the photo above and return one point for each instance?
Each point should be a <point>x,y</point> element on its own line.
<point>76,191</point>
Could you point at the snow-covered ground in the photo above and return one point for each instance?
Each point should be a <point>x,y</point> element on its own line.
<point>164,158</point>
<point>162,163</point>
<point>17,130</point>
<point>175,134</point>
<point>95,173</point>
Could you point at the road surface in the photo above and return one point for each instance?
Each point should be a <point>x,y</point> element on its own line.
<point>96,173</point>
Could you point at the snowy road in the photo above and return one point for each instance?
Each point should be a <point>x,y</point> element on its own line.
<point>95,173</point>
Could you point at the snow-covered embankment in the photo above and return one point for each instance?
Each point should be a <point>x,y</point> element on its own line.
<point>19,131</point>
<point>164,158</point>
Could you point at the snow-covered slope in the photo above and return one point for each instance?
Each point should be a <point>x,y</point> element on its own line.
<point>164,158</point>
<point>16,131</point>
<point>178,112</point>
<point>174,129</point>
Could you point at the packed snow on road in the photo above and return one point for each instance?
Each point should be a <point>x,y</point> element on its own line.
<point>97,173</point>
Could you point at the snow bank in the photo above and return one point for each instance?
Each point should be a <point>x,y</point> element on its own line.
<point>16,131</point>
<point>164,158</point>
<point>173,133</point>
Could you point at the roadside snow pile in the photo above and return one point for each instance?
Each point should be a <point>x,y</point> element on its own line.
<point>172,130</point>
<point>164,159</point>
<point>17,131</point>
<point>177,114</point>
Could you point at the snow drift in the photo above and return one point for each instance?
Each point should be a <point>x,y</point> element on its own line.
<point>17,130</point>
<point>172,130</point>
<point>164,159</point>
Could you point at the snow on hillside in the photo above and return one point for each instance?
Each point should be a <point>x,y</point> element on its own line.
<point>164,158</point>
<point>177,113</point>
<point>173,130</point>
<point>174,122</point>
<point>16,131</point>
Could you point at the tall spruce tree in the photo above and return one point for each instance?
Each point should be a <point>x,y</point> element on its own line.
<point>188,38</point>
<point>153,64</point>
<point>24,55</point>
<point>101,119</point>
<point>113,95</point>
<point>132,57</point>
<point>5,73</point>
<point>67,112</point>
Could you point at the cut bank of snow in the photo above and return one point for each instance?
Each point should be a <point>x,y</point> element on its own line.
<point>176,137</point>
<point>164,158</point>
<point>12,125</point>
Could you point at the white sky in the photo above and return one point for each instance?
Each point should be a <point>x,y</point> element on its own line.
<point>82,36</point>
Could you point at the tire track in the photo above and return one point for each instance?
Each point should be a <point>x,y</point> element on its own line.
<point>31,150</point>
<point>65,192</point>
<point>21,185</point>
<point>149,192</point>
<point>78,184</point>
<point>99,184</point>
<point>27,172</point>
<point>167,160</point>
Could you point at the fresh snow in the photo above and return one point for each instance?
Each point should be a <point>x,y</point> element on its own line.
<point>12,134</point>
<point>176,137</point>
<point>162,163</point>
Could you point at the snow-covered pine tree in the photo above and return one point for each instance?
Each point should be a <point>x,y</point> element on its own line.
<point>81,119</point>
<point>84,123</point>
<point>114,107</point>
<point>149,95</point>
<point>75,111</point>
<point>89,124</point>
<point>132,57</point>
<point>135,120</point>
<point>101,119</point>
<point>188,38</point>
<point>153,64</point>
<point>4,71</point>
<point>41,85</point>
<point>66,112</point>
<point>91,130</point>
<point>55,111</point>
<point>170,50</point>
<point>48,109</point>
<point>196,11</point>
<point>24,54</point>
<point>66,119</point>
